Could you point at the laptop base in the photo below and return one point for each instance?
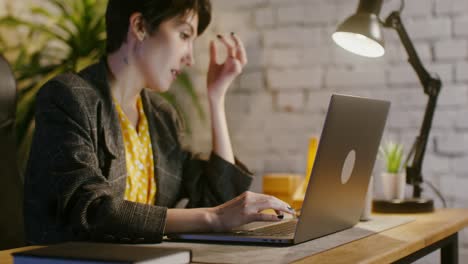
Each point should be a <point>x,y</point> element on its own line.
<point>229,239</point>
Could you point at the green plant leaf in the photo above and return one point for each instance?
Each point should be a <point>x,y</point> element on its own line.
<point>172,100</point>
<point>392,153</point>
<point>186,84</point>
<point>15,22</point>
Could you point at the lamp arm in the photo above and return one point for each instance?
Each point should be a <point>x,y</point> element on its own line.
<point>432,86</point>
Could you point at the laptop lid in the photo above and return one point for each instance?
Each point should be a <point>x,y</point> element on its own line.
<point>344,162</point>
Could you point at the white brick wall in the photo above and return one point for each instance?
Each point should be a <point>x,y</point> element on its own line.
<point>319,13</point>
<point>252,81</point>
<point>454,95</point>
<point>451,7</point>
<point>418,8</point>
<point>451,50</point>
<point>287,79</point>
<point>460,26</point>
<point>462,71</point>
<point>291,15</point>
<point>345,78</point>
<point>264,17</point>
<point>432,29</point>
<point>403,74</point>
<point>279,58</point>
<point>291,102</point>
<point>451,144</point>
<point>396,53</point>
<point>291,36</point>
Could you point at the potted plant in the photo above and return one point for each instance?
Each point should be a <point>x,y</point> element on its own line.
<point>60,36</point>
<point>393,178</point>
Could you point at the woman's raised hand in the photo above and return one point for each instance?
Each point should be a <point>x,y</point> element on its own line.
<point>220,76</point>
<point>247,208</point>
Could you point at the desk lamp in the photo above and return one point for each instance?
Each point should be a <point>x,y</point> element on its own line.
<point>361,34</point>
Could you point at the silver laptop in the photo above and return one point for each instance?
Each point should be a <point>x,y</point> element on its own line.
<point>335,195</point>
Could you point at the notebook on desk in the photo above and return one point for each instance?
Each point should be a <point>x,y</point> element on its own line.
<point>101,253</point>
<point>335,195</point>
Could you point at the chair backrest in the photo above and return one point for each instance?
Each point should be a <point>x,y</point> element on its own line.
<point>11,186</point>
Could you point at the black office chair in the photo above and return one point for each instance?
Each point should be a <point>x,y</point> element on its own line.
<point>11,186</point>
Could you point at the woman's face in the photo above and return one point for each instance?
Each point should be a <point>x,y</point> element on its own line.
<point>162,55</point>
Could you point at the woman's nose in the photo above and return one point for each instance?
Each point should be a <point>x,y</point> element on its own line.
<point>188,59</point>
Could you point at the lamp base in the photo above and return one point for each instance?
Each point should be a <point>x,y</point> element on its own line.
<point>407,206</point>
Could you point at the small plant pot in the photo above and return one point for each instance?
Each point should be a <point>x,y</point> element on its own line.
<point>394,185</point>
<point>366,213</point>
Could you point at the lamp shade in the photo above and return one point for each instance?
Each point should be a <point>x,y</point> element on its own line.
<point>361,34</point>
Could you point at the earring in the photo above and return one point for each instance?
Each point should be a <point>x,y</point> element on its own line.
<point>143,36</point>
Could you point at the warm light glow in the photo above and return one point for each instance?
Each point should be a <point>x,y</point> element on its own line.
<point>359,44</point>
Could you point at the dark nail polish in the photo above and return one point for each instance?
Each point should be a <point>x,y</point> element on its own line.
<point>280,216</point>
<point>219,36</point>
<point>232,34</point>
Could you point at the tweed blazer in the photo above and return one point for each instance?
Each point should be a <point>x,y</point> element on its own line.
<point>76,174</point>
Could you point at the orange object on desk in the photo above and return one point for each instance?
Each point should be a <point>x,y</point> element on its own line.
<point>291,187</point>
<point>281,185</point>
<point>298,196</point>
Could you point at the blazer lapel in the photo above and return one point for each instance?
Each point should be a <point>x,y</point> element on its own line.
<point>111,132</point>
<point>162,144</point>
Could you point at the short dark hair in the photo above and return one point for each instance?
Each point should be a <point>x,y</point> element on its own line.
<point>154,12</point>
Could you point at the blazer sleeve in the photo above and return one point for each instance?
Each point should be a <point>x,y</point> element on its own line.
<point>214,181</point>
<point>64,162</point>
<point>211,182</point>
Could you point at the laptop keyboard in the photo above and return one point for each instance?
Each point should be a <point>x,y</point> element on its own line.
<point>283,229</point>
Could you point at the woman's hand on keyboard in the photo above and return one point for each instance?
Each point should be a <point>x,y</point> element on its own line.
<point>247,208</point>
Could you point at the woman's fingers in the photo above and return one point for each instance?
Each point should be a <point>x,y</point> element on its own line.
<point>213,53</point>
<point>230,48</point>
<point>263,217</point>
<point>271,202</point>
<point>241,54</point>
<point>248,207</point>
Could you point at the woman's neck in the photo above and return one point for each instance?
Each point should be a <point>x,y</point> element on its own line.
<point>125,82</point>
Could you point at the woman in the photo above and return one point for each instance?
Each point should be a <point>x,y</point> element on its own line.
<point>107,162</point>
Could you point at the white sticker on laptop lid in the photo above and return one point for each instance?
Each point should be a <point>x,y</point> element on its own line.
<point>348,167</point>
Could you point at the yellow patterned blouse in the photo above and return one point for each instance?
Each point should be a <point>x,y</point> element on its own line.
<point>141,185</point>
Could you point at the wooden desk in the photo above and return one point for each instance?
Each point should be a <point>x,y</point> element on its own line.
<point>402,244</point>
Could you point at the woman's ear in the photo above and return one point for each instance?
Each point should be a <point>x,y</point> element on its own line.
<point>137,26</point>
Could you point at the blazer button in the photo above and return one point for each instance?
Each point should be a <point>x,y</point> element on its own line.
<point>139,240</point>
<point>125,240</point>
